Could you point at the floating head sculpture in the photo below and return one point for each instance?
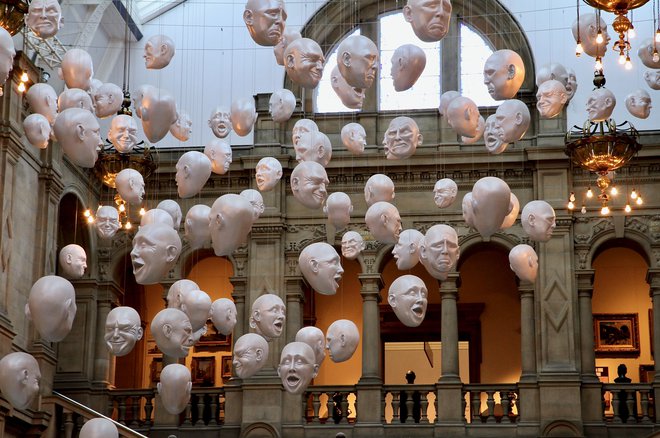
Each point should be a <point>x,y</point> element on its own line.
<point>510,218</point>
<point>304,61</point>
<point>223,315</point>
<point>78,131</point>
<point>652,79</point>
<point>196,304</point>
<point>37,130</point>
<point>74,98</point>
<point>408,298</point>
<point>268,316</point>
<point>98,428</point>
<point>354,137</point>
<point>401,138</point>
<point>590,24</point>
<point>44,18</point>
<point>174,388</point>
<point>384,222</point>
<point>268,173</point>
<point>524,262</point>
<point>173,332</point>
<point>638,103</point>
<point>173,209</point>
<point>265,20</point>
<point>551,97</point>
<point>123,133</point>
<point>158,52</point>
<point>288,36</point>
<point>379,187</point>
<point>408,62</point>
<point>220,154</point>
<point>181,129</point>
<point>600,104</point>
<point>538,220</point>
<point>338,207</point>
<point>107,221</point>
<point>297,367</point>
<point>320,265</point>
<point>73,261</point>
<point>463,116</point>
<point>342,339</point>
<point>158,113</point>
<point>250,355</point>
<point>314,337</point>
<point>156,248</point>
<point>491,203</point>
<point>504,73</point>
<point>406,250</point>
<point>107,100</point>
<point>256,200</point>
<point>192,171</point>
<point>41,98</point>
<point>196,226</point>
<point>357,60</point>
<point>352,244</point>
<point>77,69</point>
<point>52,307</point>
<point>281,105</point>
<point>429,19</point>
<point>177,290</point>
<point>308,184</point>
<point>19,379</point>
<point>220,122</point>
<point>444,192</point>
<point>439,251</point>
<point>130,185</point>
<point>122,330</point>
<point>231,220</point>
<point>243,115</point>
<point>350,96</point>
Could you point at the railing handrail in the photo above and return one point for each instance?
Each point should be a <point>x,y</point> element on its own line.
<point>87,412</point>
<point>132,392</point>
<point>627,386</point>
<point>332,388</point>
<point>408,387</point>
<point>489,386</point>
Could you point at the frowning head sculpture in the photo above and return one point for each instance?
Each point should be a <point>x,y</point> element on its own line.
<point>173,332</point>
<point>439,251</point>
<point>429,19</point>
<point>156,248</point>
<point>220,154</point>
<point>444,192</point>
<point>357,60</point>
<point>401,138</point>
<point>504,73</point>
<point>268,316</point>
<point>231,220</point>
<point>44,18</point>
<point>638,103</point>
<point>51,307</point>
<point>122,330</point>
<point>406,250</point>
<point>308,184</point>
<point>408,298</point>
<point>158,52</point>
<point>265,20</point>
<point>384,222</point>
<point>304,61</point>
<point>352,244</point>
<point>320,265</point>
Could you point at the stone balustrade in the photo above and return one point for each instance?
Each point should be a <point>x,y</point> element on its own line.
<point>629,403</point>
<point>330,405</point>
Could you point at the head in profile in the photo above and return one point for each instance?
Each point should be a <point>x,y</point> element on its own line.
<point>304,61</point>
<point>444,192</point>
<point>230,221</point>
<point>571,84</point>
<point>107,221</point>
<point>158,52</point>
<point>315,147</point>
<point>123,133</point>
<point>268,173</point>
<point>181,129</point>
<point>351,97</point>
<point>174,388</point>
<point>302,131</point>
<point>638,103</point>
<point>401,138</point>
<point>408,298</point>
<point>123,328</point>
<point>78,131</point>
<point>384,222</point>
<point>107,100</point>
<point>652,79</point>
<point>429,19</point>
<point>288,36</point>
<point>268,316</point>
<point>192,171</point>
<point>466,209</point>
<point>342,339</point>
<point>352,244</point>
<point>297,367</point>
<point>223,315</point>
<point>463,116</point>
<point>98,428</point>
<point>173,209</point>
<point>44,18</point>
<point>308,184</point>
<point>265,20</point>
<point>314,337</point>
<point>177,290</point>
<point>445,100</point>
<point>37,130</point>
<point>320,265</point>
<point>130,185</point>
<point>338,208</point>
<point>590,24</point>
<point>52,307</point>
<point>524,262</point>
<point>406,250</point>
<point>41,97</point>
<point>600,104</point>
<point>504,73</point>
<point>173,332</point>
<point>256,200</point>
<point>220,154</point>
<point>19,379</point>
<point>512,119</point>
<point>354,137</point>
<point>156,248</point>
<point>281,105</point>
<point>357,60</point>
<point>408,62</point>
<point>250,355</point>
<point>73,261</point>
<point>77,69</point>
<point>439,250</point>
<point>220,122</point>
<point>538,220</point>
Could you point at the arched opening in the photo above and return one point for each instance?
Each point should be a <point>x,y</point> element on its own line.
<point>72,227</point>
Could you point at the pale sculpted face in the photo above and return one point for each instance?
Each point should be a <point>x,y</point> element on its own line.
<point>357,59</point>
<point>158,52</point>
<point>42,100</point>
<point>321,267</point>
<point>287,37</point>
<point>107,221</point>
<point>308,184</point>
<point>19,379</point>
<point>524,262</point>
<point>155,250</point>
<point>600,104</point>
<point>173,332</point>
<point>354,137</point>
<point>265,20</point>
<point>281,105</point>
<point>268,173</point>
<point>182,128</point>
<point>302,131</point>
<point>52,307</point>
<point>220,154</point>
<point>342,339</point>
<point>314,337</point>
<point>350,96</point>
<point>74,98</point>
<point>439,251</point>
<point>130,185</point>
<point>493,136</point>
<point>638,104</point>
<point>220,122</point>
<point>123,133</point>
<point>481,125</point>
<point>223,315</point>
<point>78,132</point>
<point>304,61</point>
<point>652,79</point>
<point>512,119</point>
<point>645,53</point>
<point>174,388</point>
<point>538,220</point>
<point>384,222</point>
<point>256,200</point>
<point>571,84</point>
<point>268,316</point>
<point>77,69</point>
<point>250,355</point>
<point>408,63</point>
<point>297,367</point>
<point>37,130</point>
<point>177,290</point>
<point>401,138</point>
<point>463,116</point>
<point>466,207</point>
<point>98,428</point>
<point>491,203</point>
<point>318,149</point>
<point>444,192</point>
<point>504,73</point>
<point>551,97</point>
<point>406,250</point>
<point>44,17</point>
<point>408,298</point>
<point>589,26</point>
<point>122,330</point>
<point>107,99</point>
<point>73,261</point>
<point>192,171</point>
<point>352,244</point>
<point>429,18</point>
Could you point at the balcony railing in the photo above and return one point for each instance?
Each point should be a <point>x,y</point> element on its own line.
<point>330,405</point>
<point>409,404</point>
<point>491,404</point>
<point>629,403</point>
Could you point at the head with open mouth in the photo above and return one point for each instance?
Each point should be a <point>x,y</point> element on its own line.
<point>320,265</point>
<point>297,367</point>
<point>122,330</point>
<point>408,298</point>
<point>156,248</point>
<point>268,316</point>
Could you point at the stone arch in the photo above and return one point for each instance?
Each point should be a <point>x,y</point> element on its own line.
<point>506,241</point>
<point>561,428</point>
<point>633,239</point>
<point>259,430</point>
<point>72,227</point>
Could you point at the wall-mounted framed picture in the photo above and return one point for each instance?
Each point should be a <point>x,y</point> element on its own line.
<point>213,341</point>
<point>226,367</point>
<point>646,373</point>
<point>155,368</point>
<point>203,371</point>
<point>616,334</point>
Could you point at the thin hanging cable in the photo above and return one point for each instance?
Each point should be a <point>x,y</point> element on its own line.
<point>126,50</point>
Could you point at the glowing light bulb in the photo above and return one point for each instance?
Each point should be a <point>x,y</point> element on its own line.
<point>122,208</point>
<point>599,64</point>
<point>142,211</point>
<point>24,77</point>
<point>599,37</point>
<point>639,200</point>
<point>633,194</point>
<point>605,210</point>
<point>571,205</point>
<point>628,63</point>
<point>21,87</point>
<point>627,208</point>
<point>614,191</point>
<point>590,194</point>
<point>656,56</point>
<point>657,36</point>
<point>87,213</point>
<point>579,49</point>
<point>632,33</point>
<point>128,226</point>
<point>90,219</point>
<point>571,197</point>
<point>622,59</point>
<point>583,210</point>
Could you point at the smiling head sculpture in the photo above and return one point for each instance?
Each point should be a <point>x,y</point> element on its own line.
<point>250,355</point>
<point>308,184</point>
<point>122,330</point>
<point>320,265</point>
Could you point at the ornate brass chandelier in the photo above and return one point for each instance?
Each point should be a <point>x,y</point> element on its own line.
<point>11,15</point>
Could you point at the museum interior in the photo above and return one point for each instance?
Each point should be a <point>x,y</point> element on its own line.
<point>563,346</point>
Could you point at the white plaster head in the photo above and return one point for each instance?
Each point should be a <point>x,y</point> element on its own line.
<point>304,61</point>
<point>196,226</point>
<point>256,200</point>
<point>401,138</point>
<point>268,173</point>
<point>158,52</point>
<point>638,103</point>
<point>571,84</point>
<point>42,99</point>
<point>379,187</point>
<point>288,36</point>
<point>196,304</point>
<point>123,133</point>
<point>481,126</point>
<point>250,355</point>
<point>74,98</point>
<point>265,20</point>
<point>429,18</point>
<point>107,100</point>
<point>98,428</point>
<point>78,132</point>
<point>173,332</point>
<point>231,220</point>
<point>406,249</point>
<point>123,328</point>
<point>512,119</point>
<point>281,105</point>
<point>158,113</point>
<point>37,130</point>
<point>94,85</point>
<point>177,290</point>
<point>320,265</point>
<point>652,79</point>
<point>600,104</point>
<point>52,307</point>
<point>7,54</point>
<point>444,192</point>
<point>524,262</point>
<point>466,208</point>
<point>354,137</point>
<point>44,18</point>
<point>504,73</point>
<point>463,116</point>
<point>19,379</point>
<point>645,53</point>
<point>156,248</point>
<point>538,220</point>
<point>223,315</point>
<point>220,154</point>
<point>76,69</point>
<point>73,261</point>
<point>181,129</point>
<point>551,71</point>
<point>173,209</point>
<point>342,339</point>
<point>439,250</point>
<point>139,95</point>
<point>314,337</point>
<point>130,185</point>
<point>408,62</point>
<point>352,244</point>
<point>308,184</point>
<point>510,218</point>
<point>384,222</point>
<point>408,298</point>
<point>243,115</point>
<point>315,147</point>
<point>268,316</point>
<point>551,97</point>
<point>192,171</point>
<point>357,59</point>
<point>297,367</point>
<point>491,203</point>
<point>220,122</point>
<point>302,131</point>
<point>588,31</point>
<point>351,97</point>
<point>338,208</point>
<point>174,388</point>
<point>107,221</point>
<point>156,216</point>
<point>445,100</point>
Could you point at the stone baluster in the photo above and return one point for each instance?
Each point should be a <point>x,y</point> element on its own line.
<point>424,407</point>
<point>490,403</point>
<point>214,409</point>
<point>383,406</point>
<point>330,403</point>
<point>316,405</point>
<point>201,399</point>
<point>68,424</point>
<point>148,409</point>
<point>476,406</point>
<point>135,411</point>
<point>188,414</point>
<point>506,404</point>
<point>344,408</point>
<point>653,279</point>
<point>644,403</point>
<point>121,411</point>
<point>409,406</point>
<point>395,407</point>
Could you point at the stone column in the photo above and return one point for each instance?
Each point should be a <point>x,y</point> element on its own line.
<point>653,279</point>
<point>242,314</point>
<point>528,386</point>
<point>294,306</point>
